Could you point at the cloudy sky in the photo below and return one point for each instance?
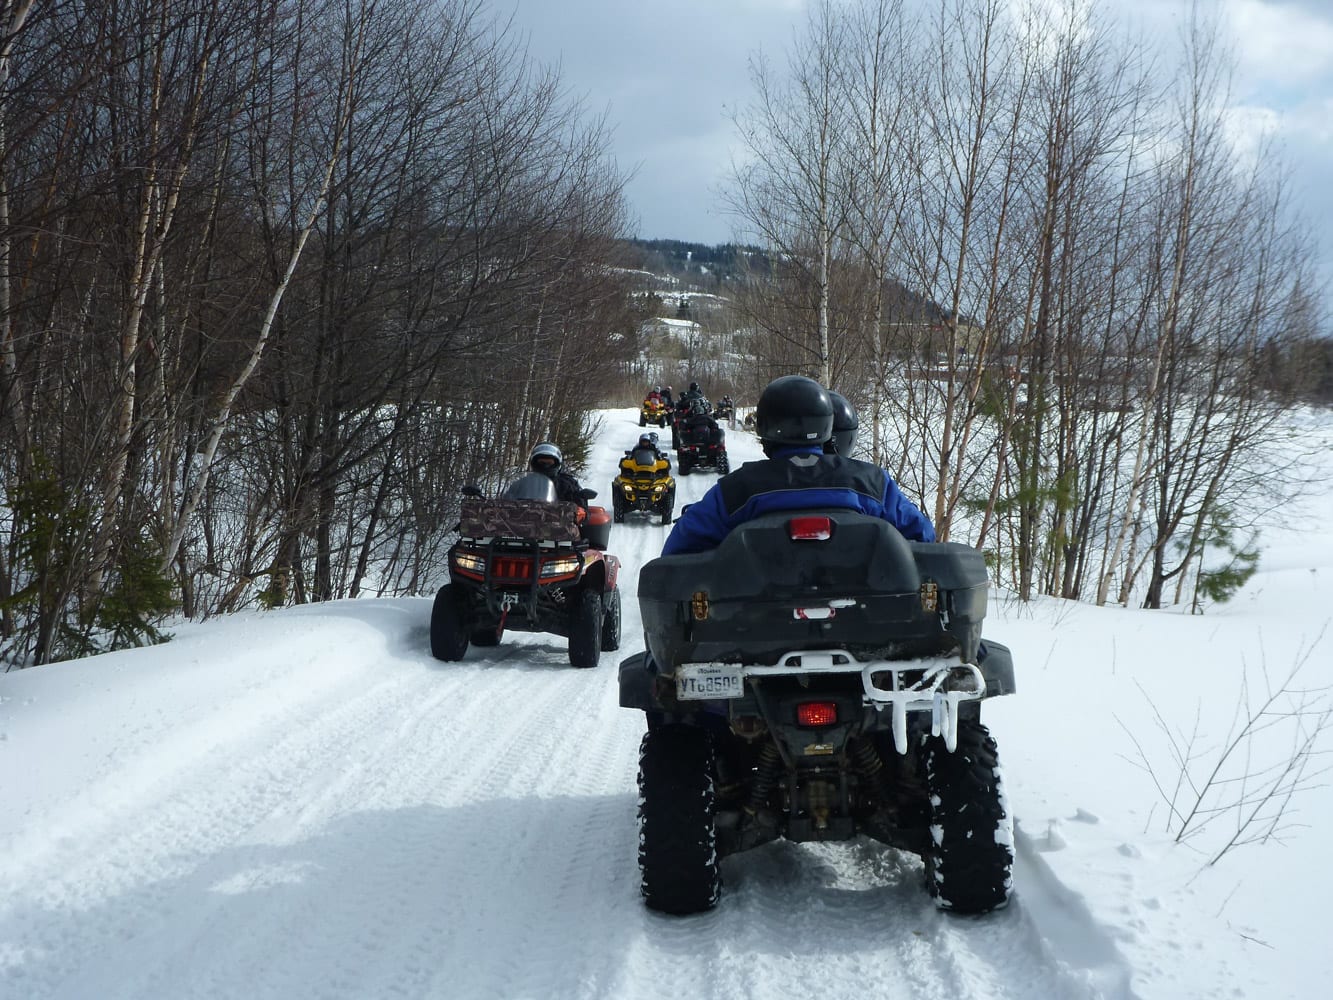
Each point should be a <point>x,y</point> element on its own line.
<point>669,72</point>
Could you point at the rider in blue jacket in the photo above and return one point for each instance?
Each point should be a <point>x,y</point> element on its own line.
<point>794,418</point>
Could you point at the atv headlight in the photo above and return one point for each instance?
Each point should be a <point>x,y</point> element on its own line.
<point>472,562</point>
<point>561,566</point>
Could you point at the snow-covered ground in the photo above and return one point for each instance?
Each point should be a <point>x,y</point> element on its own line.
<point>305,804</point>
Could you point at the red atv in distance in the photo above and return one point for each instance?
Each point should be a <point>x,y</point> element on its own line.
<point>525,561</point>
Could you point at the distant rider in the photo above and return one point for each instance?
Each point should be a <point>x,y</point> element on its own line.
<point>646,451</point>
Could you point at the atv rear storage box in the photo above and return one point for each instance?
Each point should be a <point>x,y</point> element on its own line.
<point>507,518</point>
<point>863,588</point>
<point>597,528</point>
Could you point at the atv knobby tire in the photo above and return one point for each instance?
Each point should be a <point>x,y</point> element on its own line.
<point>969,861</point>
<point>585,628</point>
<point>617,504</point>
<point>448,634</point>
<point>678,862</point>
<point>611,621</point>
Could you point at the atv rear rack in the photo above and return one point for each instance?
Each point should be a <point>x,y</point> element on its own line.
<point>935,684</point>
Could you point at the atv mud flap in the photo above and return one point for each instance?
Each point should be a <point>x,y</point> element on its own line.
<point>938,685</point>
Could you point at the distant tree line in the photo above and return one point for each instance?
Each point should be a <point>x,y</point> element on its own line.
<point>276,277</point>
<point>1125,304</point>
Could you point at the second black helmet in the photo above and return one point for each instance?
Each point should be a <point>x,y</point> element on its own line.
<point>845,423</point>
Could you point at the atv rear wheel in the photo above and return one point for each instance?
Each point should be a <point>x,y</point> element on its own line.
<point>678,862</point>
<point>969,862</point>
<point>611,621</point>
<point>585,629</point>
<point>448,635</point>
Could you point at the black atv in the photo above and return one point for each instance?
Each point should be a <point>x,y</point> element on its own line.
<point>702,447</point>
<point>526,561</point>
<point>818,677</point>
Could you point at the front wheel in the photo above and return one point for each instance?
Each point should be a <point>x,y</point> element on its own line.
<point>678,862</point>
<point>448,636</point>
<point>969,862</point>
<point>585,629</point>
<point>611,621</point>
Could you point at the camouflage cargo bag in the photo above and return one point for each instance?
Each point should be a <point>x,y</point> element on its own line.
<point>533,519</point>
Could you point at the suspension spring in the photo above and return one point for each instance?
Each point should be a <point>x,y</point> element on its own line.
<point>766,774</point>
<point>870,765</point>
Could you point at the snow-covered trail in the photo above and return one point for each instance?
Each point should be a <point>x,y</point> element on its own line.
<point>305,803</point>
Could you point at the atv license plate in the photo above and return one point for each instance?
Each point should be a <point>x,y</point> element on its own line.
<point>706,681</point>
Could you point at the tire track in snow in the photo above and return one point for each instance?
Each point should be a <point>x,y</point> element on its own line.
<point>201,829</point>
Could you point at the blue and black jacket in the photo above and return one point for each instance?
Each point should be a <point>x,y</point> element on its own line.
<point>795,479</point>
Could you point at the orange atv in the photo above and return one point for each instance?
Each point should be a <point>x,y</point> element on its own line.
<point>644,485</point>
<point>529,562</point>
<point>653,411</point>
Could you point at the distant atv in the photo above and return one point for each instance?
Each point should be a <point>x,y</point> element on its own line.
<point>702,447</point>
<point>653,411</point>
<point>524,562</point>
<point>644,485</point>
<point>817,677</point>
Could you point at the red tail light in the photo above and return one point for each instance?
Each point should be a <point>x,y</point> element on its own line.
<point>817,713</point>
<point>810,529</point>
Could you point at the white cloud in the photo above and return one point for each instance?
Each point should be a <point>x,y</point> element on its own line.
<point>1280,43</point>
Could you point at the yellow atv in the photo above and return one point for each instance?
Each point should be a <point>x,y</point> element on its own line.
<point>644,485</point>
<point>653,411</point>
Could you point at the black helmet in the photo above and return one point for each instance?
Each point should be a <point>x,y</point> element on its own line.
<point>545,458</point>
<point>694,387</point>
<point>845,423</point>
<point>647,441</point>
<point>794,410</point>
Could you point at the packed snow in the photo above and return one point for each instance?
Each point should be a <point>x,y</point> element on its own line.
<point>305,803</point>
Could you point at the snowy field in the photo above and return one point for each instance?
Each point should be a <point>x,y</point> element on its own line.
<point>304,803</point>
